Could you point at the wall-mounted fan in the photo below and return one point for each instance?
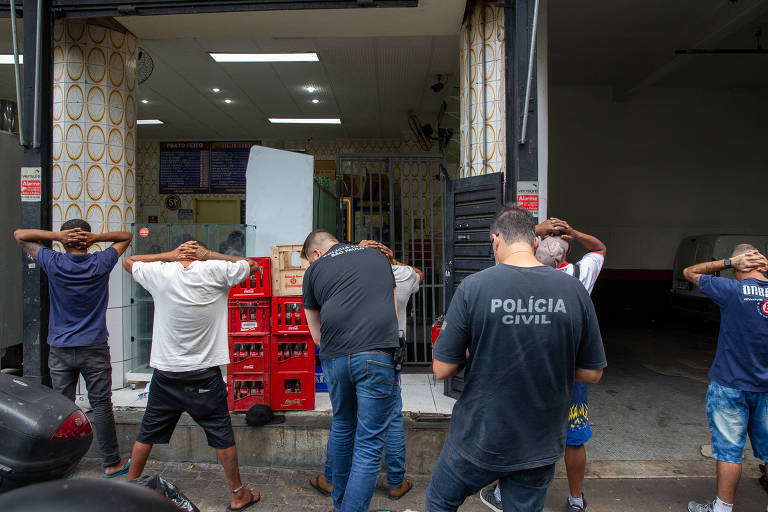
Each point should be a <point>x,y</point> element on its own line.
<point>144,66</point>
<point>424,133</point>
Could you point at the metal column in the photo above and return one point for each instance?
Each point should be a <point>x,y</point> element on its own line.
<point>520,66</point>
<point>37,214</point>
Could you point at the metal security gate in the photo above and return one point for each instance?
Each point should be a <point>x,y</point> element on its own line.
<point>399,200</point>
<point>472,204</point>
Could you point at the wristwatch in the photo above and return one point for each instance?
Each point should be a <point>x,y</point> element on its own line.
<point>727,262</point>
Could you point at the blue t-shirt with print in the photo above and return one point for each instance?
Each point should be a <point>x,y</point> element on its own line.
<point>78,287</point>
<point>741,361</point>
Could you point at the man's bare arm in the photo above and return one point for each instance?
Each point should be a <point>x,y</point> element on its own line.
<point>120,239</point>
<point>184,252</point>
<point>30,239</point>
<point>204,254</point>
<point>313,322</point>
<point>588,376</point>
<point>589,242</point>
<point>445,370</point>
<point>747,262</point>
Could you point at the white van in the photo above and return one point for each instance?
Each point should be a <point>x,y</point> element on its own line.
<point>698,249</point>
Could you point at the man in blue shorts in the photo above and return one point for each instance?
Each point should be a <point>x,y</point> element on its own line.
<point>737,398</point>
<point>553,251</point>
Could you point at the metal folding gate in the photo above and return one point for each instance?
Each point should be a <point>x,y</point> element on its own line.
<point>399,200</point>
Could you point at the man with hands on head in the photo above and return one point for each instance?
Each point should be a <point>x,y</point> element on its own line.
<point>530,331</point>
<point>78,287</point>
<point>737,397</point>
<point>190,286</point>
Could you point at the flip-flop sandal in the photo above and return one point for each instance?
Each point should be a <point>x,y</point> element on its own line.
<point>316,484</point>
<point>254,500</point>
<point>121,472</point>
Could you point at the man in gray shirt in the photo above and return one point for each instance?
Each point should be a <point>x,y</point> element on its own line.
<point>525,333</point>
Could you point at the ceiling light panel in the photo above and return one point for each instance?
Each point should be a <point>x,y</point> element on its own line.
<point>265,57</point>
<point>8,59</point>
<point>283,120</point>
<point>149,121</point>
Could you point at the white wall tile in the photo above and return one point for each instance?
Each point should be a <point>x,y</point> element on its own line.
<point>116,285</point>
<point>118,375</point>
<point>115,328</point>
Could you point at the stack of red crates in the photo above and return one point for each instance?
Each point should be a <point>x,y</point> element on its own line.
<point>292,356</point>
<point>248,379</point>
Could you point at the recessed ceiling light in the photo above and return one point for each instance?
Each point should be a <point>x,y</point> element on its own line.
<point>227,100</point>
<point>315,100</point>
<point>145,101</point>
<point>149,121</point>
<point>8,59</point>
<point>264,57</point>
<point>216,89</point>
<point>278,120</point>
<point>310,88</point>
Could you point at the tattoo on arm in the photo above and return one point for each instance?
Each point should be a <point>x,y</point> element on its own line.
<point>31,248</point>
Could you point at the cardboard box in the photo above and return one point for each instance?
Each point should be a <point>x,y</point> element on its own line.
<point>287,277</point>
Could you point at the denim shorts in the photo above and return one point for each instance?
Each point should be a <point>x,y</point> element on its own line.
<point>732,415</point>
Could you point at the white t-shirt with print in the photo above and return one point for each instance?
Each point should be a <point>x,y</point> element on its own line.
<point>190,326</point>
<point>589,268</point>
<point>406,284</point>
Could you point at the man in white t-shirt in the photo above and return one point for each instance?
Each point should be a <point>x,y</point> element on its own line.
<point>190,287</point>
<point>553,251</point>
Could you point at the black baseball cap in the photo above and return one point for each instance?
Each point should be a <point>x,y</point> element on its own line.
<point>260,415</point>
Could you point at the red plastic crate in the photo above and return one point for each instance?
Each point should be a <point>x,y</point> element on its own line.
<point>249,354</point>
<point>292,353</point>
<point>288,316</point>
<point>249,316</point>
<point>244,390</point>
<point>293,391</point>
<point>258,285</point>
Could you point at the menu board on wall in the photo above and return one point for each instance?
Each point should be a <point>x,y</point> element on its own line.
<point>203,167</point>
<point>228,164</point>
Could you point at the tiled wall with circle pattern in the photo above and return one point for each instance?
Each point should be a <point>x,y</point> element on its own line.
<point>483,141</point>
<point>94,126</point>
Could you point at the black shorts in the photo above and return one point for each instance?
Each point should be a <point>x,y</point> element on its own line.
<point>201,393</point>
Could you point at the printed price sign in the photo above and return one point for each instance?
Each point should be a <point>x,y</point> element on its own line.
<point>30,184</point>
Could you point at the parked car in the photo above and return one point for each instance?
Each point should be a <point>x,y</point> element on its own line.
<point>697,249</point>
<point>44,435</point>
<point>85,495</point>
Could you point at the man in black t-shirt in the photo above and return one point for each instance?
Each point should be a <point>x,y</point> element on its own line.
<point>349,300</point>
<point>525,332</point>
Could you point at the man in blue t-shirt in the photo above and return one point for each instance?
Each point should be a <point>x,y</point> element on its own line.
<point>525,333</point>
<point>78,288</point>
<point>737,398</point>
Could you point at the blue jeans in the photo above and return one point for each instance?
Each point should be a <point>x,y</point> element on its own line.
<point>394,452</point>
<point>454,479</point>
<point>362,388</point>
<point>733,414</point>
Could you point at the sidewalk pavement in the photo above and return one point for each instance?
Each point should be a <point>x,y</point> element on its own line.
<point>289,490</point>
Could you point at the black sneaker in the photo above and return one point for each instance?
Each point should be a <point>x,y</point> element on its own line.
<point>488,497</point>
<point>763,478</point>
<point>576,508</point>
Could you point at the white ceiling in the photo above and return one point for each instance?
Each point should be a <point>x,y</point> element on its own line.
<point>371,83</point>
